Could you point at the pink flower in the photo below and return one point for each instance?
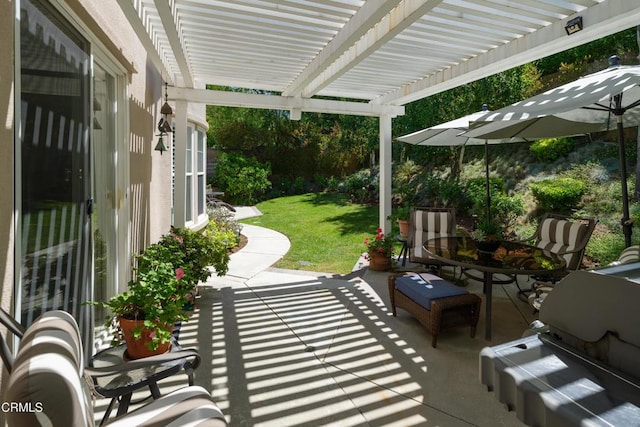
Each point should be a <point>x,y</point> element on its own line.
<point>379,237</point>
<point>152,335</point>
<point>179,273</point>
<point>379,230</point>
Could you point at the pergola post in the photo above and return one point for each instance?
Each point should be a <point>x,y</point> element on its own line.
<point>180,161</point>
<point>385,173</point>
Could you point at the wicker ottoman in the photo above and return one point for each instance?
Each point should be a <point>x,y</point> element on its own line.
<point>436,303</point>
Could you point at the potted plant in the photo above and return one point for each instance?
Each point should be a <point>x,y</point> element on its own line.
<point>401,216</point>
<point>379,251</point>
<point>165,276</point>
<point>146,313</point>
<point>487,236</point>
<point>194,252</point>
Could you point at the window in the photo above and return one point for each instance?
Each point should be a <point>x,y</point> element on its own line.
<point>189,175</point>
<point>195,182</point>
<point>201,165</point>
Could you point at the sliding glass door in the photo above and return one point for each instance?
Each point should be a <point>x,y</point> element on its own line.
<point>55,181</point>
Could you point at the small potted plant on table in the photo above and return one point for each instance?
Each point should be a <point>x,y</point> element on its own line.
<point>487,236</point>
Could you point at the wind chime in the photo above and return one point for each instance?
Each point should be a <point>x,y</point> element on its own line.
<point>164,125</point>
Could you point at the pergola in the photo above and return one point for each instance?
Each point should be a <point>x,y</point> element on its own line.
<point>378,54</point>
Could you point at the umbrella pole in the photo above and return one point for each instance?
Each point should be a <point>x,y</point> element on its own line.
<point>486,167</point>
<point>626,225</point>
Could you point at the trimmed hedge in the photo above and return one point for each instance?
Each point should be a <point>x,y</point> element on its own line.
<point>550,149</point>
<point>559,194</point>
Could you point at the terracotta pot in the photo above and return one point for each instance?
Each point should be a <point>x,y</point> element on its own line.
<point>404,227</point>
<point>137,348</point>
<point>379,262</point>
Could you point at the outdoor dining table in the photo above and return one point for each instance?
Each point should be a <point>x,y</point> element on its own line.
<point>510,258</point>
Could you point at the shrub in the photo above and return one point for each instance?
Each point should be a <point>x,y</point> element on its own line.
<point>193,251</point>
<point>505,209</point>
<point>361,186</point>
<point>406,178</point>
<point>550,149</point>
<point>604,248</point>
<point>243,179</point>
<point>559,194</point>
<point>223,219</point>
<point>476,189</point>
<point>433,191</point>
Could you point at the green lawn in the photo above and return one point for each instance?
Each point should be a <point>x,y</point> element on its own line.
<point>326,231</point>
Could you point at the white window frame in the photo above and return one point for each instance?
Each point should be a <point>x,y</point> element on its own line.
<point>195,169</point>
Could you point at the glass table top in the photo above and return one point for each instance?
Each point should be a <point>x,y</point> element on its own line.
<point>508,257</point>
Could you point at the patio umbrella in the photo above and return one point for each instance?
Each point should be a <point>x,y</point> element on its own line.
<point>592,103</point>
<point>451,134</point>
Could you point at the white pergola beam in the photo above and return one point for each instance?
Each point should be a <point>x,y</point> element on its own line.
<point>276,102</point>
<point>166,16</point>
<point>606,18</point>
<point>397,20</point>
<point>368,15</point>
<point>141,32</point>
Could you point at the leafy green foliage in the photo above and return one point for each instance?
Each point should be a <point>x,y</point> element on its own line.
<point>361,186</point>
<point>156,295</point>
<point>487,231</point>
<point>406,178</point>
<point>559,194</point>
<point>222,220</point>
<point>606,247</point>
<point>164,274</point>
<point>242,179</point>
<point>550,149</point>
<point>504,210</point>
<point>619,43</point>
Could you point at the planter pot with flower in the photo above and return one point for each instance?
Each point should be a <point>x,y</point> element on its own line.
<point>379,251</point>
<point>148,310</point>
<point>165,276</point>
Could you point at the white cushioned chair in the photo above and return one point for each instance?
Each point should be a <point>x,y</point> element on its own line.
<point>47,384</point>
<point>427,223</point>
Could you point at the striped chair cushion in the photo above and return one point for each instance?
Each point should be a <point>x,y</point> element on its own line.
<point>59,329</point>
<point>47,385</point>
<point>559,236</point>
<point>186,406</point>
<point>46,381</point>
<point>430,225</point>
<point>630,254</point>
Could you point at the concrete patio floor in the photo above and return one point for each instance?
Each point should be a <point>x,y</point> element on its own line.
<point>295,348</point>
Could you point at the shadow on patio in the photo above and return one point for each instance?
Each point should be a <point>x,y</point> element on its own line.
<point>292,348</point>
